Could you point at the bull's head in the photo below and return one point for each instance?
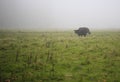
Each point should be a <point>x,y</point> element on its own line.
<point>89,32</point>
<point>76,31</point>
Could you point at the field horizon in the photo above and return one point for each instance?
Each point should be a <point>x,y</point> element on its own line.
<point>57,30</point>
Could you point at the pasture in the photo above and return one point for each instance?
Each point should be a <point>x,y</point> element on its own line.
<point>59,57</point>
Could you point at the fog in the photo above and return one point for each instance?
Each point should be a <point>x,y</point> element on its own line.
<point>59,14</point>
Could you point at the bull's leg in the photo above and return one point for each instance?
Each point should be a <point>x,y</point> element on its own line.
<point>84,35</point>
<point>79,34</point>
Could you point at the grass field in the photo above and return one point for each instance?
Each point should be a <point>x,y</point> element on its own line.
<point>59,57</point>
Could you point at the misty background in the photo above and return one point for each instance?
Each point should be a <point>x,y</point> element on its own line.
<point>59,14</point>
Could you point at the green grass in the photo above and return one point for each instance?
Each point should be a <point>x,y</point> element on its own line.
<point>59,57</point>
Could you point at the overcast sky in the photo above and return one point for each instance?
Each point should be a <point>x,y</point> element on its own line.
<point>59,14</point>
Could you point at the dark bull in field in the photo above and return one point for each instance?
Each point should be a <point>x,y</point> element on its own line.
<point>82,31</point>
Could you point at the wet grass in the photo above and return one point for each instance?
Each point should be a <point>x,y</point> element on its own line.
<point>59,57</point>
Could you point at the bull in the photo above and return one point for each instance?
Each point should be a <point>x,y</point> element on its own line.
<point>82,31</point>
